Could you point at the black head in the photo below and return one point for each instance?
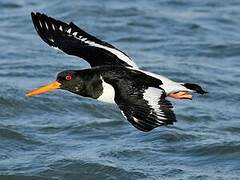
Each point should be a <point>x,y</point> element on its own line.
<point>70,80</point>
<point>85,82</point>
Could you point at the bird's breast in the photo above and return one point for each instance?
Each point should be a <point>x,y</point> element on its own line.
<point>108,93</point>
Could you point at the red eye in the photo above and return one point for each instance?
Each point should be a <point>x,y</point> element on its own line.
<point>68,77</point>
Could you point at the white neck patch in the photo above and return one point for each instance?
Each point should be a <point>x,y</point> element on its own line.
<point>108,94</point>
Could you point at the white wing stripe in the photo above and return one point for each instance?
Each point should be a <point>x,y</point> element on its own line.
<point>152,96</point>
<point>118,53</point>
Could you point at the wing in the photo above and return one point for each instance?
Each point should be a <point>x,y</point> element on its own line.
<point>148,110</point>
<point>74,41</point>
<point>139,98</point>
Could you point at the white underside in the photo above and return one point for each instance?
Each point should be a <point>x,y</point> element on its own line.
<point>108,94</point>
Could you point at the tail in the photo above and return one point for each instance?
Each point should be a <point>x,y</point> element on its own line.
<point>194,87</point>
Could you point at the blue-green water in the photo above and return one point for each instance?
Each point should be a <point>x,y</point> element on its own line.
<point>63,136</point>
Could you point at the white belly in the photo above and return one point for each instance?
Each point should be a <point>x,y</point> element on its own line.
<point>108,93</point>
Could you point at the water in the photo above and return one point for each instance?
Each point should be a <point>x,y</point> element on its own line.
<point>63,136</point>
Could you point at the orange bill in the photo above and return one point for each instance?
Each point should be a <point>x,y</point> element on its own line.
<point>50,87</point>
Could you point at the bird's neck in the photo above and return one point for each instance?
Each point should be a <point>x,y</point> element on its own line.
<point>92,86</point>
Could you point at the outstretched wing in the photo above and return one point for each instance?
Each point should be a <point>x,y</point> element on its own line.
<point>147,110</point>
<point>139,97</point>
<point>74,41</point>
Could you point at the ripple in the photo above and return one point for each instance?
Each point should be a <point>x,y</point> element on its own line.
<point>24,177</point>
<point>101,124</point>
<point>234,130</point>
<point>8,134</point>
<point>124,154</point>
<point>11,134</point>
<point>217,149</point>
<point>10,5</point>
<point>169,136</point>
<point>89,170</point>
<point>125,12</point>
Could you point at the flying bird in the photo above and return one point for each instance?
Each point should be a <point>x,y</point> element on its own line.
<point>113,76</point>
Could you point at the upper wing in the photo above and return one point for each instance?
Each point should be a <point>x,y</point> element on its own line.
<point>140,98</point>
<point>74,41</point>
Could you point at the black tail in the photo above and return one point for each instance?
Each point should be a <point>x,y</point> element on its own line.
<point>194,87</point>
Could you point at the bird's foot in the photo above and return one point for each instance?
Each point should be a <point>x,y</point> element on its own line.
<point>181,95</point>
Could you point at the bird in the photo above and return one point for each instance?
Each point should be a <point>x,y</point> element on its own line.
<point>114,77</point>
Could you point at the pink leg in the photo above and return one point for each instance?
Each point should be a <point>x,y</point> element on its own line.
<point>181,95</point>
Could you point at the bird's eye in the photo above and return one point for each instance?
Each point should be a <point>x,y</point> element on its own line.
<point>68,77</point>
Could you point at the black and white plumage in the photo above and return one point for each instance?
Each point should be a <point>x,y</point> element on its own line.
<point>74,41</point>
<point>114,77</point>
<point>139,97</point>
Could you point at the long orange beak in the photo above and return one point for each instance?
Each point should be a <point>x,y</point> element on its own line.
<point>50,87</point>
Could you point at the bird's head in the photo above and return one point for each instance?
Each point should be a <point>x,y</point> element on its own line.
<point>68,80</point>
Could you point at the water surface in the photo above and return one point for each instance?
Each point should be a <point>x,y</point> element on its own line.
<point>63,136</point>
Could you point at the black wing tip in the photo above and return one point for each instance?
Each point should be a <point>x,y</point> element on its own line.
<point>38,15</point>
<point>43,32</point>
<point>35,14</point>
<point>34,18</point>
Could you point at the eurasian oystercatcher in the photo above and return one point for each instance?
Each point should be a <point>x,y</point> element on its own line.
<point>113,78</point>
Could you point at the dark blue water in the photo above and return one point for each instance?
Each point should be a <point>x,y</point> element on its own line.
<point>63,136</point>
